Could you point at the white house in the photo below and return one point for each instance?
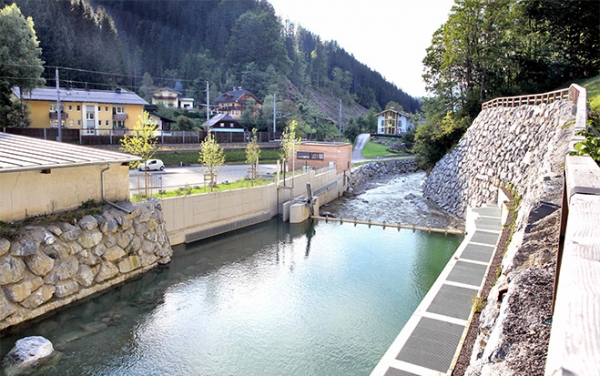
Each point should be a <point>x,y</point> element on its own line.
<point>394,122</point>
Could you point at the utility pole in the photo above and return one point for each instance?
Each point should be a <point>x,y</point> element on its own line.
<point>340,119</point>
<point>59,138</point>
<point>274,114</point>
<point>207,103</point>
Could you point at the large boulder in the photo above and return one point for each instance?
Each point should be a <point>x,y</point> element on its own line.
<point>28,354</point>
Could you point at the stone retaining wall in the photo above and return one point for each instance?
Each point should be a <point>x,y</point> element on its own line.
<point>523,148</point>
<point>49,266</point>
<point>504,146</point>
<point>377,170</point>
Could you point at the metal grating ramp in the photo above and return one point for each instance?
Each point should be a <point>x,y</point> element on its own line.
<point>397,372</point>
<point>477,252</point>
<point>467,273</point>
<point>432,334</point>
<point>430,340</point>
<point>453,302</point>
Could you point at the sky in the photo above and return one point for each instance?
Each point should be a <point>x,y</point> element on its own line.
<point>389,36</point>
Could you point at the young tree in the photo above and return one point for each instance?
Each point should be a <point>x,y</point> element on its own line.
<point>211,156</point>
<point>288,144</point>
<point>142,142</point>
<point>253,154</point>
<point>20,56</point>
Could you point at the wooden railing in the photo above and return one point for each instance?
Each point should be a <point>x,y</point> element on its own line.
<point>531,99</point>
<point>575,337</point>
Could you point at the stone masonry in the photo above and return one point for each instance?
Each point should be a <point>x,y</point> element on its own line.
<point>50,266</point>
<point>505,146</point>
<point>521,148</point>
<point>381,169</point>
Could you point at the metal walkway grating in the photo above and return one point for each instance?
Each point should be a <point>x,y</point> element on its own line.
<point>428,335</point>
<point>431,339</point>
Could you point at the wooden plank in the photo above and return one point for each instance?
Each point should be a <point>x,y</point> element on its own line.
<point>575,337</point>
<point>582,176</point>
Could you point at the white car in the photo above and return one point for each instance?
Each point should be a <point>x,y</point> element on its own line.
<point>152,165</point>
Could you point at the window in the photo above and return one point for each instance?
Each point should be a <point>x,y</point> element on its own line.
<point>99,123</point>
<point>118,110</point>
<point>89,116</point>
<point>79,123</point>
<point>70,108</point>
<point>99,108</point>
<point>107,123</point>
<point>308,155</point>
<point>78,108</point>
<point>53,107</point>
<point>118,124</point>
<point>106,108</point>
<point>230,125</point>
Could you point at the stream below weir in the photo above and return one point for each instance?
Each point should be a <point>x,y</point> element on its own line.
<point>394,200</point>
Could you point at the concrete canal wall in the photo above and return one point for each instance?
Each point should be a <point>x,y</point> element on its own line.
<point>195,217</point>
<point>50,266</point>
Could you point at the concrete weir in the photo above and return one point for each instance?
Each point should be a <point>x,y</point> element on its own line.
<point>430,341</point>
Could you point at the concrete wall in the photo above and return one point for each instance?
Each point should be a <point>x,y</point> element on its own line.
<point>195,217</point>
<point>32,193</point>
<point>49,266</point>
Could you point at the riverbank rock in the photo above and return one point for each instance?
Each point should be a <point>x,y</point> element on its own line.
<point>51,265</point>
<point>28,354</point>
<point>379,170</point>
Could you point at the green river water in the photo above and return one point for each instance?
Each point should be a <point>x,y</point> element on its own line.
<point>273,299</point>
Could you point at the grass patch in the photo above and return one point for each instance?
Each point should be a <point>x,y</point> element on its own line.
<point>478,303</point>
<point>201,189</point>
<point>374,150</point>
<point>231,157</point>
<point>593,90</point>
<point>12,229</point>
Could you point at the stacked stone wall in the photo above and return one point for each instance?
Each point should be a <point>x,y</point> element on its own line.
<point>49,266</point>
<point>383,169</point>
<point>524,148</point>
<point>505,146</point>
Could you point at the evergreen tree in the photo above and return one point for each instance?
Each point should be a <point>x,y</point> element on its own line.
<point>20,63</point>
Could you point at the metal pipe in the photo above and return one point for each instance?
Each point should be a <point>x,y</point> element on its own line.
<point>102,190</point>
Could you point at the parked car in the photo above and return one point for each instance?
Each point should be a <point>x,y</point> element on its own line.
<point>152,165</point>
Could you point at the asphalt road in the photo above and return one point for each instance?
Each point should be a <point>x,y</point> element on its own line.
<point>361,141</point>
<point>174,177</point>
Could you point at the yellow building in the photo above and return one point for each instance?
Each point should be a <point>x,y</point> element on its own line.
<point>90,110</point>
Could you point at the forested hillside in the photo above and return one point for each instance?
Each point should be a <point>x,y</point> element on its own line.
<point>143,45</point>
<point>489,49</point>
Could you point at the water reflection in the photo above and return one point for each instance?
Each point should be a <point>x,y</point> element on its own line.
<point>253,302</point>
